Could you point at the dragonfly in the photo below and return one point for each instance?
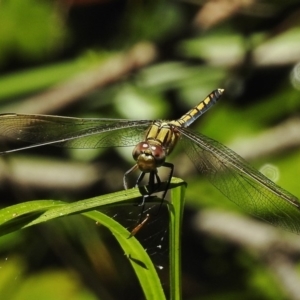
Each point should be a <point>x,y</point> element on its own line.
<point>152,142</point>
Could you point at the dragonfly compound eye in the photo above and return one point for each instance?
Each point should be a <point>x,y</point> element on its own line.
<point>148,156</point>
<point>139,149</point>
<point>158,153</point>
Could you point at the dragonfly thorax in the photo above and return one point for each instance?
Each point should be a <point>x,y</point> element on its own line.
<point>149,155</point>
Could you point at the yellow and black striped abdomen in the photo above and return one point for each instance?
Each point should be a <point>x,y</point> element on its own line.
<point>193,114</point>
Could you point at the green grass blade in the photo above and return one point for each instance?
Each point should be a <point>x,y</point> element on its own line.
<point>176,214</point>
<point>18,216</point>
<point>136,254</point>
<point>31,213</point>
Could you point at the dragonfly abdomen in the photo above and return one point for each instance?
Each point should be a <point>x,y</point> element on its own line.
<point>197,111</point>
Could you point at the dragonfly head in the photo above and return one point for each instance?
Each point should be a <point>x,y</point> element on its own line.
<point>149,156</point>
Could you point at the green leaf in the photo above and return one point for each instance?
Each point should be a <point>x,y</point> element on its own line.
<point>30,213</point>
<point>176,214</point>
<point>136,254</point>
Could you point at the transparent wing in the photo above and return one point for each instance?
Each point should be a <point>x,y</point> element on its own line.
<point>241,183</point>
<point>38,130</point>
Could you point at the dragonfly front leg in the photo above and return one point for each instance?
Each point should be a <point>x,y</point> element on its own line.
<point>139,179</point>
<point>153,179</point>
<point>142,220</point>
<point>125,181</point>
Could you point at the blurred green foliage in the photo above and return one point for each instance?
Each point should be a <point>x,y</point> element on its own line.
<point>30,30</point>
<point>252,52</point>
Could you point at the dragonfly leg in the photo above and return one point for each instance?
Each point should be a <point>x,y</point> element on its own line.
<point>125,182</point>
<point>154,179</point>
<point>153,176</point>
<point>140,178</point>
<point>171,167</point>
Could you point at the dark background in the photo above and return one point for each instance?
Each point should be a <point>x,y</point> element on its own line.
<point>150,60</point>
